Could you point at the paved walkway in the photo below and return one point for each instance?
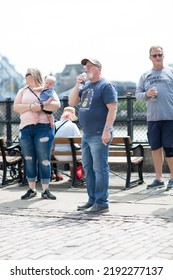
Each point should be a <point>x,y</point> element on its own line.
<point>139,225</point>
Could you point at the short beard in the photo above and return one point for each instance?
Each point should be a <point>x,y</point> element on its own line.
<point>90,75</point>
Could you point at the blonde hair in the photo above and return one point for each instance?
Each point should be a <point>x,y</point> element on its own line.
<point>51,77</point>
<point>155,47</point>
<point>69,113</point>
<point>37,76</point>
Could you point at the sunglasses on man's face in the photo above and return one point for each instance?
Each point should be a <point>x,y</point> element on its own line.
<point>156,55</point>
<point>28,74</point>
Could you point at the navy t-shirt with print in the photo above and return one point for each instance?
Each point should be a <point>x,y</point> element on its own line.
<point>92,107</point>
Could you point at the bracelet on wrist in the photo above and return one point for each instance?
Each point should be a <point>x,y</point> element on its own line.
<point>109,128</point>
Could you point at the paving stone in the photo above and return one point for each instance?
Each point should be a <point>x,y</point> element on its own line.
<point>138,226</point>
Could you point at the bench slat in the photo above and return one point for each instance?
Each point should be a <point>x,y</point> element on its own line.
<point>123,160</point>
<point>119,153</point>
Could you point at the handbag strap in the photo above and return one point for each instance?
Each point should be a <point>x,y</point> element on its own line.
<point>56,129</point>
<point>34,93</point>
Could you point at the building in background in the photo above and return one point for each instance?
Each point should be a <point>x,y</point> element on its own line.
<point>67,78</point>
<point>124,88</point>
<point>10,79</point>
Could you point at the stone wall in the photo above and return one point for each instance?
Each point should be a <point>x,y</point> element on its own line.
<point>148,165</point>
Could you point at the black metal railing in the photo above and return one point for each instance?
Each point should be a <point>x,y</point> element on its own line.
<point>131,119</point>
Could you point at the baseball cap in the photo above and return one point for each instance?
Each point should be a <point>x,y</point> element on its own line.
<point>92,60</point>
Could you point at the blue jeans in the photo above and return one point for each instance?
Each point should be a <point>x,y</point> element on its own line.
<point>96,167</point>
<point>36,142</point>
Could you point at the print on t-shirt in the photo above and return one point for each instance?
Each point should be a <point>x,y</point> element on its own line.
<point>86,99</point>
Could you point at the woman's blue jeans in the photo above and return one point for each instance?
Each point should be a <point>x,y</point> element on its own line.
<point>36,142</point>
<point>96,167</point>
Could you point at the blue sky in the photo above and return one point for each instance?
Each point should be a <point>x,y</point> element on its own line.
<point>52,33</point>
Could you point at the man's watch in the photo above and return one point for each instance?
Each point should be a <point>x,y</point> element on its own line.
<point>32,106</point>
<point>109,128</point>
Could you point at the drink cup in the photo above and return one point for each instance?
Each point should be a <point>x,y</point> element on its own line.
<point>81,85</point>
<point>154,97</point>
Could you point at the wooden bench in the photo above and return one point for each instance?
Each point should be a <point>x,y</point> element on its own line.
<point>74,152</point>
<point>123,152</point>
<point>11,163</point>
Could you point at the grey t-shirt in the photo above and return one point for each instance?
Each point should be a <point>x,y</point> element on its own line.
<point>162,107</point>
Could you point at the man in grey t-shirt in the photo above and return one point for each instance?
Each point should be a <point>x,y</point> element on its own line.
<point>156,88</point>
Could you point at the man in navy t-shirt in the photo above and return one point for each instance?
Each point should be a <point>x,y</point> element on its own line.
<point>97,102</point>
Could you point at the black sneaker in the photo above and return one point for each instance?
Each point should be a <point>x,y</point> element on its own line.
<point>97,209</point>
<point>47,195</point>
<point>156,184</point>
<point>85,206</point>
<point>29,194</point>
<point>170,185</point>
